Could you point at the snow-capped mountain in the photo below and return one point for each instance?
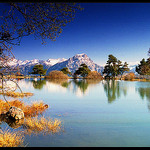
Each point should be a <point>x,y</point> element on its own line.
<point>132,68</point>
<point>27,66</point>
<point>56,64</point>
<point>72,64</point>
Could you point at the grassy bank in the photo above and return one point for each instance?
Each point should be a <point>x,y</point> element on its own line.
<point>32,123</point>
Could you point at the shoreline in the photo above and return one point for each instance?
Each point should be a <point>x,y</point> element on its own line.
<point>43,77</point>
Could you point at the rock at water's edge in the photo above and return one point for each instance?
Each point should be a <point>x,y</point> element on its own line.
<point>15,113</point>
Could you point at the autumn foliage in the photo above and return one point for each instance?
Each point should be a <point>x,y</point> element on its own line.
<point>57,75</point>
<point>129,76</point>
<point>31,110</point>
<point>94,75</point>
<point>17,94</point>
<point>11,139</point>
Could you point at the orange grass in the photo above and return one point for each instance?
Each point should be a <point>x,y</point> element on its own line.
<point>17,94</point>
<point>32,125</point>
<point>36,108</point>
<point>36,125</point>
<point>11,139</point>
<point>31,110</point>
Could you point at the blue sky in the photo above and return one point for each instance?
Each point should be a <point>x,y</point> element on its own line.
<point>120,29</point>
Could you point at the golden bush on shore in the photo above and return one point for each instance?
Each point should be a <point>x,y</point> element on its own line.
<point>32,126</point>
<point>44,125</point>
<point>11,139</point>
<point>94,75</point>
<point>17,94</point>
<point>129,76</point>
<point>56,75</point>
<point>35,108</point>
<point>31,123</point>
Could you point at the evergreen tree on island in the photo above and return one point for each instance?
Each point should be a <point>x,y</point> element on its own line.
<point>38,69</point>
<point>144,67</point>
<point>65,70</point>
<point>114,67</point>
<point>83,70</point>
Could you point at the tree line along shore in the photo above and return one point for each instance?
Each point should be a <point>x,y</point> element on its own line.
<point>114,69</point>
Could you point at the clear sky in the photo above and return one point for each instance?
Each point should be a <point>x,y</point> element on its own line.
<point>120,29</point>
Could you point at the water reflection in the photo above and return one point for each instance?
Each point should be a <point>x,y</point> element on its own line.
<point>12,123</point>
<point>78,86</point>
<point>84,84</point>
<point>63,82</point>
<point>38,84</point>
<point>144,92</point>
<point>113,89</point>
<point>143,89</point>
<point>81,87</point>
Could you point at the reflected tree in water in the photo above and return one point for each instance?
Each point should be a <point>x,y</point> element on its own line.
<point>62,82</point>
<point>83,84</point>
<point>38,84</point>
<point>65,84</point>
<point>113,90</point>
<point>144,92</point>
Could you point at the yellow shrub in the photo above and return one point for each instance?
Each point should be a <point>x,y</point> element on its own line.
<point>10,139</point>
<point>34,109</point>
<point>129,76</point>
<point>17,94</point>
<point>57,75</point>
<point>35,125</point>
<point>94,75</point>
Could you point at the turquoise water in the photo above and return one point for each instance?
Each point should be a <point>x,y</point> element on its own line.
<point>93,113</point>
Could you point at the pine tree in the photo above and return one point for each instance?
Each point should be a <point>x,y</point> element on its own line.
<point>140,69</point>
<point>83,70</point>
<point>114,67</point>
<point>65,70</point>
<point>111,68</point>
<point>38,69</point>
<point>124,68</point>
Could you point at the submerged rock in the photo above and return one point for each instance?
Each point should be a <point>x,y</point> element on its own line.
<point>15,113</point>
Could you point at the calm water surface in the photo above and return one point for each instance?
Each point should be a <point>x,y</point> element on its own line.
<point>93,113</point>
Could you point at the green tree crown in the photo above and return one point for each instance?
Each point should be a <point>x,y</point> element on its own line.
<point>38,69</point>
<point>65,70</point>
<point>144,67</point>
<point>83,70</point>
<point>114,67</point>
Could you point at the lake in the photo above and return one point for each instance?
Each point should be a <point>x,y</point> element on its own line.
<point>93,113</point>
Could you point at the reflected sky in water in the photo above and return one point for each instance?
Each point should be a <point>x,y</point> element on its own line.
<point>70,93</point>
<point>94,113</point>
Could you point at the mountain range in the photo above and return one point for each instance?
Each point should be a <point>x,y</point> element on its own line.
<point>72,64</point>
